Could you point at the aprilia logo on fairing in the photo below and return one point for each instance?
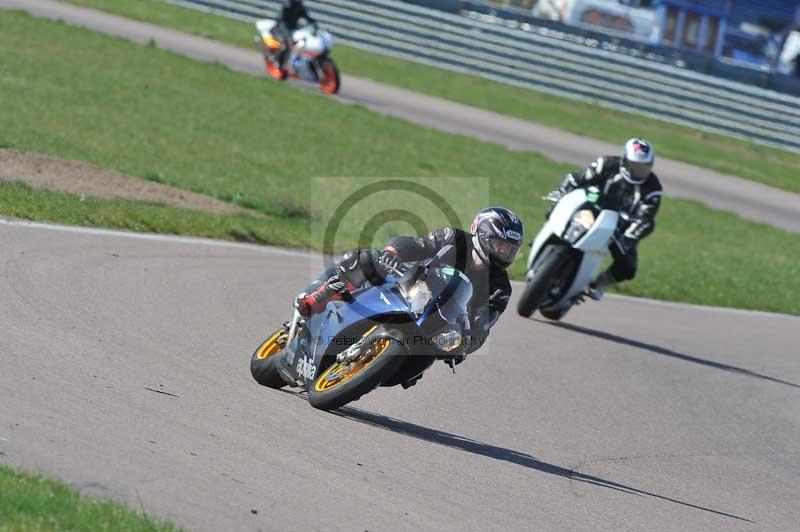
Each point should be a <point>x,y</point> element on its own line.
<point>306,368</point>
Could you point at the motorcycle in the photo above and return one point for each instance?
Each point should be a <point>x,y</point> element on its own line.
<point>568,252</point>
<point>379,335</point>
<point>308,59</point>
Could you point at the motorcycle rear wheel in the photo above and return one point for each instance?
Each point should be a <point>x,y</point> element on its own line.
<point>341,383</point>
<point>545,270</point>
<point>273,70</point>
<point>264,360</point>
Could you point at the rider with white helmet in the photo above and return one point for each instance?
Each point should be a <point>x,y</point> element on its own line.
<point>629,185</point>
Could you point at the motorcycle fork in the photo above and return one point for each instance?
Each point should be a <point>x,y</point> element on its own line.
<point>317,65</point>
<point>296,317</point>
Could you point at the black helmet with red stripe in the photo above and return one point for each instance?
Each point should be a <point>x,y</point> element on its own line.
<point>497,235</point>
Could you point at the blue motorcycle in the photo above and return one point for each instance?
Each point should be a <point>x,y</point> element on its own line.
<point>382,335</point>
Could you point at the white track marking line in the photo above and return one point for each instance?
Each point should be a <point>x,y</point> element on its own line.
<point>172,239</point>
<point>271,250</point>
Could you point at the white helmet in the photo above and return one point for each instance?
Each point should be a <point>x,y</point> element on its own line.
<point>637,161</point>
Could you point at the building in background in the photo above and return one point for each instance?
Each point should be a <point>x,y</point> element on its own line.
<point>753,33</point>
<point>698,26</point>
<point>744,31</point>
<point>789,57</point>
<point>630,18</point>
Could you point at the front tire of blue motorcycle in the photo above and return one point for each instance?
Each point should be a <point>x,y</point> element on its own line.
<point>264,359</point>
<point>340,383</point>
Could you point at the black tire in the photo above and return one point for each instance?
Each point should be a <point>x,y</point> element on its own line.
<point>554,315</point>
<point>264,369</point>
<point>332,81</point>
<point>545,270</point>
<point>364,381</point>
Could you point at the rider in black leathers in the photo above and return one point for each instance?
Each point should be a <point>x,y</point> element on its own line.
<point>288,21</point>
<point>482,255</point>
<point>628,185</point>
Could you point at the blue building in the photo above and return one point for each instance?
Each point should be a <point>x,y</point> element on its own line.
<point>703,26</point>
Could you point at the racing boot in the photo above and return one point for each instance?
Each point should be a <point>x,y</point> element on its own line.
<point>311,304</point>
<point>598,288</point>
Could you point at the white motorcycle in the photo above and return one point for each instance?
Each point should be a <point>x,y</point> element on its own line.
<point>568,253</point>
<point>309,58</point>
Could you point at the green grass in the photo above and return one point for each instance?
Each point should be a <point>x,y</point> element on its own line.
<point>200,126</point>
<point>31,503</point>
<point>21,201</point>
<point>769,166</point>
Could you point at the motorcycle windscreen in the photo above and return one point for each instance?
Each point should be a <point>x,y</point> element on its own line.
<point>452,292</point>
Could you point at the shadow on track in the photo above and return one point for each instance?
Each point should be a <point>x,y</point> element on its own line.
<point>664,351</point>
<point>500,453</point>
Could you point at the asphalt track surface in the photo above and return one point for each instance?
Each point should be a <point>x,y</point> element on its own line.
<point>125,373</point>
<point>749,199</point>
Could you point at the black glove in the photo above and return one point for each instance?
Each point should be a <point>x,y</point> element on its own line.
<point>554,196</point>
<point>389,260</point>
<point>498,301</point>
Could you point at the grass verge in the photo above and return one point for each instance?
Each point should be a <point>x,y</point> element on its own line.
<point>772,167</point>
<point>31,503</point>
<point>146,112</point>
<point>21,201</point>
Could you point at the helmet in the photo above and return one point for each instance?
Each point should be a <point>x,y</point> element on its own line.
<point>292,3</point>
<point>497,236</point>
<point>637,161</point>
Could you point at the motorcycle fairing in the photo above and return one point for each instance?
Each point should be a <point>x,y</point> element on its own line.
<point>321,334</point>
<point>557,222</point>
<point>593,244</point>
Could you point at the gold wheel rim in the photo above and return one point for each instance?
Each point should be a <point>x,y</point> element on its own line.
<point>338,373</point>
<point>270,346</point>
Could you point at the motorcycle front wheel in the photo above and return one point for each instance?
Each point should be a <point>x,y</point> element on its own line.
<point>264,359</point>
<point>545,271</point>
<point>554,315</point>
<point>330,81</point>
<point>343,383</point>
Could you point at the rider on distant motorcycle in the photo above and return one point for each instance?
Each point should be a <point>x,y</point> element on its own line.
<point>483,255</point>
<point>288,22</point>
<point>629,184</point>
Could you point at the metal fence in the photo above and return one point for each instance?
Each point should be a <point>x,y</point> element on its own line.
<point>621,42</point>
<point>585,71</point>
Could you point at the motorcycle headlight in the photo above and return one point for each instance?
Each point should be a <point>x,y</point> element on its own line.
<point>418,296</point>
<point>448,340</point>
<point>581,222</point>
